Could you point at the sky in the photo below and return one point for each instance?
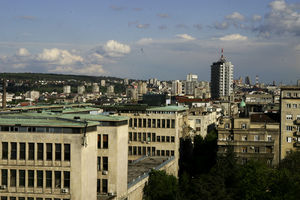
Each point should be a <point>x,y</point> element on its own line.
<point>143,39</point>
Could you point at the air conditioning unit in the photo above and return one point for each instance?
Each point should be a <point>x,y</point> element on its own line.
<point>2,187</point>
<point>104,172</point>
<point>64,190</point>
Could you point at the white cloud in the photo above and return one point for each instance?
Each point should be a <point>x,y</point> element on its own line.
<point>22,52</point>
<point>256,17</point>
<point>93,69</point>
<point>185,37</point>
<point>233,37</point>
<point>282,18</point>
<point>58,56</point>
<point>116,49</point>
<point>235,16</point>
<point>144,41</point>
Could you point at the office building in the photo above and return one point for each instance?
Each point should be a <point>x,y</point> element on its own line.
<point>221,78</point>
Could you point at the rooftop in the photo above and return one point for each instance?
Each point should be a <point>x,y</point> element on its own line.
<point>139,169</point>
<point>168,108</point>
<point>265,117</point>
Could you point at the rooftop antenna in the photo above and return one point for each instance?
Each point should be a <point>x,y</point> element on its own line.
<point>222,51</point>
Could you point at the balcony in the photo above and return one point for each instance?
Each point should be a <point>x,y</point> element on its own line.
<point>297,144</point>
<point>297,121</point>
<point>296,133</point>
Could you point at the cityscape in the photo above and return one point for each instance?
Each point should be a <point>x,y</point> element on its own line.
<point>212,113</point>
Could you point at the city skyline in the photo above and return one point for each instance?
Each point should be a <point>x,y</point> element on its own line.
<point>141,39</point>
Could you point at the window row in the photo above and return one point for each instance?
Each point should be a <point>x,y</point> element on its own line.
<point>295,94</point>
<point>102,185</point>
<point>29,198</point>
<point>290,139</point>
<point>258,138</point>
<point>149,137</point>
<point>104,166</point>
<point>290,117</point>
<point>102,141</point>
<point>151,123</point>
<point>39,129</point>
<point>35,151</point>
<point>290,105</point>
<point>35,178</point>
<point>149,151</point>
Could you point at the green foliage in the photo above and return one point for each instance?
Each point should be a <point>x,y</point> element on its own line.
<point>161,186</point>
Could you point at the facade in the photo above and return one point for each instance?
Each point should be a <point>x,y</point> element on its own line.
<point>95,88</point>
<point>176,87</point>
<point>221,78</point>
<point>67,89</point>
<point>102,83</point>
<point>32,95</point>
<point>256,137</point>
<point>111,90</point>
<point>81,89</point>
<point>46,158</point>
<point>192,78</point>
<point>290,119</point>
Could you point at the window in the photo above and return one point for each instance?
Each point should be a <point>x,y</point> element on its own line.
<point>172,139</point>
<point>134,136</point>
<point>105,141</point>
<point>4,177</point>
<point>130,122</point>
<point>244,126</point>
<point>158,123</point>
<point>98,163</point>
<point>288,105</point>
<point>99,141</point>
<point>130,150</point>
<point>288,94</point>
<point>148,137</point>
<point>168,123</point>
<point>57,175</point>
<point>67,152</point>
<point>158,152</point>
<point>134,122</point>
<point>139,150</point>
<point>98,185</point>
<point>168,138</point>
<point>30,178</point>
<point>153,123</point>
<point>173,123</point>
<point>289,139</point>
<point>167,153</point>
<point>163,123</point>
<point>158,138</point>
<point>104,186</point>
<point>57,151</point>
<point>162,152</point>
<point>149,123</point>
<point>198,121</point>
<point>49,151</point>
<point>13,155</point>
<point>40,152</point>
<point>289,128</point>
<point>298,116</point>
<point>12,198</point>
<point>294,105</point>
<point>153,151</point>
<point>48,179</point>
<point>30,151</point>
<point>244,138</point>
<point>289,117</point>
<point>4,150</point>
<point>39,178</point>
<point>172,153</point>
<point>140,123</point>
<point>244,149</point>
<point>139,136</point>
<point>66,179</point>
<point>163,138</point>
<point>22,151</point>
<point>105,163</point>
<point>226,125</point>
<point>21,178</point>
<point>153,137</point>
<point>269,138</point>
<point>130,136</point>
<point>134,150</point>
<point>256,137</point>
<point>3,198</point>
<point>13,178</point>
<point>256,149</point>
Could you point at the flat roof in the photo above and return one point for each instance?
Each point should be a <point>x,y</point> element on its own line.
<point>139,169</point>
<point>168,108</point>
<point>41,121</point>
<point>75,110</point>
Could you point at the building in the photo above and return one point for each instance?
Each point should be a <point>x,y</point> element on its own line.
<point>247,80</point>
<point>67,89</point>
<point>254,137</point>
<point>80,89</point>
<point>290,119</point>
<point>102,83</point>
<point>32,95</point>
<point>176,87</point>
<point>111,90</point>
<point>142,87</point>
<point>192,77</point>
<point>47,158</point>
<point>221,78</point>
<point>95,88</point>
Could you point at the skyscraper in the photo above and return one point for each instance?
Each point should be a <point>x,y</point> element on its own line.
<point>221,78</point>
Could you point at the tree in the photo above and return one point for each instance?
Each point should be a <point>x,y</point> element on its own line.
<point>161,186</point>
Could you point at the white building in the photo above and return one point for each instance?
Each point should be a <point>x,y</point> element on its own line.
<point>95,88</point>
<point>81,89</point>
<point>176,87</point>
<point>67,89</point>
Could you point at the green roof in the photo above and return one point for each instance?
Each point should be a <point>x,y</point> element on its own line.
<point>168,109</point>
<point>25,120</point>
<point>75,110</point>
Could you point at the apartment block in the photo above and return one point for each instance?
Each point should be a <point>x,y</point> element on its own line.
<point>290,120</point>
<point>254,137</point>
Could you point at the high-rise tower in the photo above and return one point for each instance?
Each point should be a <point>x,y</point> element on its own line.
<point>221,78</point>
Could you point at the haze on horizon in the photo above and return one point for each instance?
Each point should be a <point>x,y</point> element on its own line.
<point>145,39</point>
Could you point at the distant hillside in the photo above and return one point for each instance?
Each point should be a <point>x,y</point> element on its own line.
<point>53,77</point>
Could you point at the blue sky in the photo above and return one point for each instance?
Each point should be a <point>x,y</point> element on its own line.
<point>149,38</point>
